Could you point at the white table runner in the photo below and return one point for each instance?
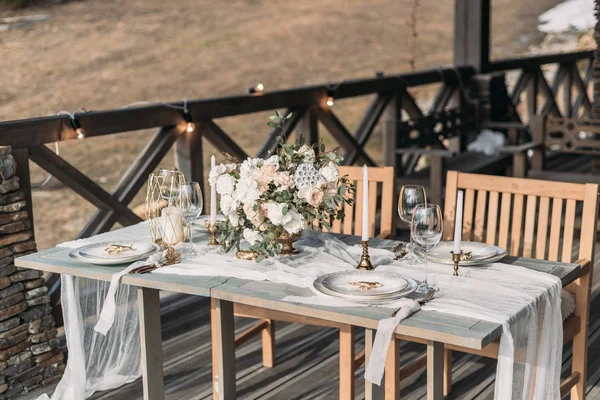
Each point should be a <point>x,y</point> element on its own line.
<point>525,302</point>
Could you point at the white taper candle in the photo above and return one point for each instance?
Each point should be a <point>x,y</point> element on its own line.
<point>458,222</point>
<point>365,213</point>
<point>213,195</point>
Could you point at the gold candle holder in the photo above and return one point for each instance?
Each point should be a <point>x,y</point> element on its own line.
<point>456,257</point>
<point>365,263</point>
<point>213,235</point>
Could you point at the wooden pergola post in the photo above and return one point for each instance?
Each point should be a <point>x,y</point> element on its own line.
<point>472,33</point>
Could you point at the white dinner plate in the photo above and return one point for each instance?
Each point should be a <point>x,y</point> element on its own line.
<point>338,284</point>
<point>481,253</point>
<point>96,254</point>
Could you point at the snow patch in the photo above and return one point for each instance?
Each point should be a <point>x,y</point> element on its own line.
<point>575,15</point>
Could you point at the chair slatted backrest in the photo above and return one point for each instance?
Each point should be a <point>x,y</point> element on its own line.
<point>527,217</point>
<point>381,192</point>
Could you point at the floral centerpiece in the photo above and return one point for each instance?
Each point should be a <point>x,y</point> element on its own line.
<point>267,200</point>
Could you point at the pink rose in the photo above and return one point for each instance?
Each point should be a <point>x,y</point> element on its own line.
<point>256,217</point>
<point>284,180</point>
<point>314,196</point>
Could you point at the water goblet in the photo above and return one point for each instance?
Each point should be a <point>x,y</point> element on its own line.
<point>410,196</point>
<point>426,231</point>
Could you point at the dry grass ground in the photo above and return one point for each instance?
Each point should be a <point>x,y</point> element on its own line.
<point>109,53</point>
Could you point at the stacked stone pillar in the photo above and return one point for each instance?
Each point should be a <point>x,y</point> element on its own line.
<point>30,354</point>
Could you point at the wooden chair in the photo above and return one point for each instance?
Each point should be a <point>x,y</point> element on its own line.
<point>557,143</point>
<point>381,182</point>
<point>518,214</point>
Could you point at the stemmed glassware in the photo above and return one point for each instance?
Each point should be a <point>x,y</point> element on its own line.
<point>426,231</point>
<point>410,196</point>
<point>191,203</point>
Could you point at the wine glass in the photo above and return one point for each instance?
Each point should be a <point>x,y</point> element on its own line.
<point>410,196</point>
<point>191,204</point>
<point>426,231</point>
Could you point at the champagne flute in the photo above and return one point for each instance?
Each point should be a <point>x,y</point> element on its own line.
<point>426,231</point>
<point>410,196</point>
<point>191,204</point>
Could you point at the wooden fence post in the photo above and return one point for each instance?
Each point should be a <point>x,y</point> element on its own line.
<point>188,155</point>
<point>472,33</point>
<point>308,126</point>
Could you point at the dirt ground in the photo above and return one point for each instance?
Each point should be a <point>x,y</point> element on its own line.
<point>110,53</point>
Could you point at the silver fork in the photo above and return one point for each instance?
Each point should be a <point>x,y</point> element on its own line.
<point>428,297</point>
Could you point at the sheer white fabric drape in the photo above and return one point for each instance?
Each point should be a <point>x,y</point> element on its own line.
<point>525,302</point>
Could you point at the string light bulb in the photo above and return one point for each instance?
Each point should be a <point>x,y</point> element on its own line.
<point>329,101</point>
<point>79,132</point>
<point>259,87</point>
<point>190,126</point>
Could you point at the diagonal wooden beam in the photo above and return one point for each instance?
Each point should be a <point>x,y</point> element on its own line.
<point>341,134</point>
<point>550,106</point>
<point>582,98</point>
<point>367,124</point>
<point>134,178</point>
<point>520,86</point>
<point>221,140</point>
<point>271,142</point>
<point>81,184</point>
<point>442,98</point>
<point>410,105</point>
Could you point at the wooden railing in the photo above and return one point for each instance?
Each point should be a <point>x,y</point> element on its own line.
<point>393,103</point>
<point>557,84</point>
<point>308,104</point>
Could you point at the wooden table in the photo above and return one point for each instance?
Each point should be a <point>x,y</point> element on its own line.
<point>436,329</point>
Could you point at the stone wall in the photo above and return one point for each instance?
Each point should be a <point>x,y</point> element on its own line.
<point>30,354</point>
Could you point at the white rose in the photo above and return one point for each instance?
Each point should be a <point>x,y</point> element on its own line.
<point>225,184</point>
<point>246,191</point>
<point>330,172</point>
<point>252,236</point>
<point>249,168</point>
<point>275,213</point>
<point>215,172</point>
<point>307,152</point>
<point>296,222</point>
<point>234,219</point>
<point>273,160</point>
<point>229,204</point>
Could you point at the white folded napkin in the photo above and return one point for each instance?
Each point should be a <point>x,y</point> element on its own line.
<point>385,333</point>
<point>107,315</point>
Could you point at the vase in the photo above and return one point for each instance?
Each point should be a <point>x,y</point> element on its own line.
<point>287,242</point>
<point>246,255</point>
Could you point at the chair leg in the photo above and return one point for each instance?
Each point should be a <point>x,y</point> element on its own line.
<point>268,344</point>
<point>215,355</point>
<point>447,372</point>
<point>582,301</point>
<point>347,362</point>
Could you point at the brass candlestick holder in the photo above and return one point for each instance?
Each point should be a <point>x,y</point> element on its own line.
<point>456,257</point>
<point>213,234</point>
<point>365,263</point>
